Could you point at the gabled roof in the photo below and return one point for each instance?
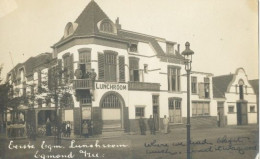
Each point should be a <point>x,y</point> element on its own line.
<point>255,84</point>
<point>220,85</point>
<point>87,27</point>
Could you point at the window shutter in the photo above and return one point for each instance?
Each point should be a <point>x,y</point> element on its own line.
<point>71,67</point>
<point>201,90</point>
<point>101,65</point>
<point>121,68</point>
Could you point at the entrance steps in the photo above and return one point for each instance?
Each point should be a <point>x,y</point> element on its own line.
<point>110,131</point>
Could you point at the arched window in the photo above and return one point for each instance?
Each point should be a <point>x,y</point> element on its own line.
<point>111,101</point>
<point>106,27</point>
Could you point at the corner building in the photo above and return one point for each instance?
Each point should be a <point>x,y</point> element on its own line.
<point>118,76</point>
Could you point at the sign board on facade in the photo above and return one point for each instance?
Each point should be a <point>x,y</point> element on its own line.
<point>86,113</point>
<point>109,86</point>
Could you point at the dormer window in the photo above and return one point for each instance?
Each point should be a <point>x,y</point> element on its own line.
<point>106,27</point>
<point>69,29</point>
<point>133,48</point>
<point>169,48</point>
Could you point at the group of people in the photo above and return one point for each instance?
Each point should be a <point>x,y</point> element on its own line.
<point>66,128</point>
<point>151,124</point>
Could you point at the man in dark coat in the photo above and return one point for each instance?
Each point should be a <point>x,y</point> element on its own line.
<point>142,126</point>
<point>151,125</point>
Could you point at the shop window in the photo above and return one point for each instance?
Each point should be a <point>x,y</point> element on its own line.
<point>133,48</point>
<point>252,109</point>
<point>200,108</point>
<point>173,79</point>
<point>174,106</point>
<point>139,112</point>
<point>231,109</point>
<point>194,85</point>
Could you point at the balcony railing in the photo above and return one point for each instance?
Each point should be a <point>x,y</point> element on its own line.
<point>143,86</point>
<point>82,84</point>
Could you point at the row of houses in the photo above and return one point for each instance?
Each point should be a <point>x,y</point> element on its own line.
<point>111,77</point>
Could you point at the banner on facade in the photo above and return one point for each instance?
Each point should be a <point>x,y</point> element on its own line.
<point>86,113</point>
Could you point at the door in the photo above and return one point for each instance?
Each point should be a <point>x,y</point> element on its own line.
<point>221,116</point>
<point>156,116</point>
<point>242,113</point>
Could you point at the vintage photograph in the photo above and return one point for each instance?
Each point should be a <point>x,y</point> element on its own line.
<point>129,79</point>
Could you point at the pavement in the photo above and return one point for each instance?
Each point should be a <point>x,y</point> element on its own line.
<point>238,142</point>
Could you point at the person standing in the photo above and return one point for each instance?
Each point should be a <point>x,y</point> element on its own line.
<point>68,129</point>
<point>142,126</point>
<point>151,125</point>
<point>48,128</point>
<point>63,128</point>
<point>165,124</point>
<point>85,129</point>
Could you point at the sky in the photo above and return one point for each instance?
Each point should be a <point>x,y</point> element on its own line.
<point>222,33</point>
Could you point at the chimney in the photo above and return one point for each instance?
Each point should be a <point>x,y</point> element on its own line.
<point>118,26</point>
<point>178,48</point>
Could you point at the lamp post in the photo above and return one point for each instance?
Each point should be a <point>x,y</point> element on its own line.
<point>187,53</point>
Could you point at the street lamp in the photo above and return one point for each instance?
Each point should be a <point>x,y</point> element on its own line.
<point>187,53</point>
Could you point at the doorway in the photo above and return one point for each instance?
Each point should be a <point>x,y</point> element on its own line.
<point>221,115</point>
<point>242,113</point>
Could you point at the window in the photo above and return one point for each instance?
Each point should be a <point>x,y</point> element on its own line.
<point>241,89</point>
<point>85,101</point>
<point>133,48</point>
<point>106,27</point>
<point>85,62</point>
<point>231,109</point>
<point>170,48</point>
<point>252,109</point>
<point>174,105</point>
<point>139,112</point>
<point>173,79</point>
<point>200,108</point>
<point>204,88</point>
<point>111,101</point>
<point>70,30</point>
<point>134,69</point>
<point>110,67</point>
<point>193,84</point>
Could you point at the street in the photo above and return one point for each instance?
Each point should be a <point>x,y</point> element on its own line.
<point>238,142</point>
